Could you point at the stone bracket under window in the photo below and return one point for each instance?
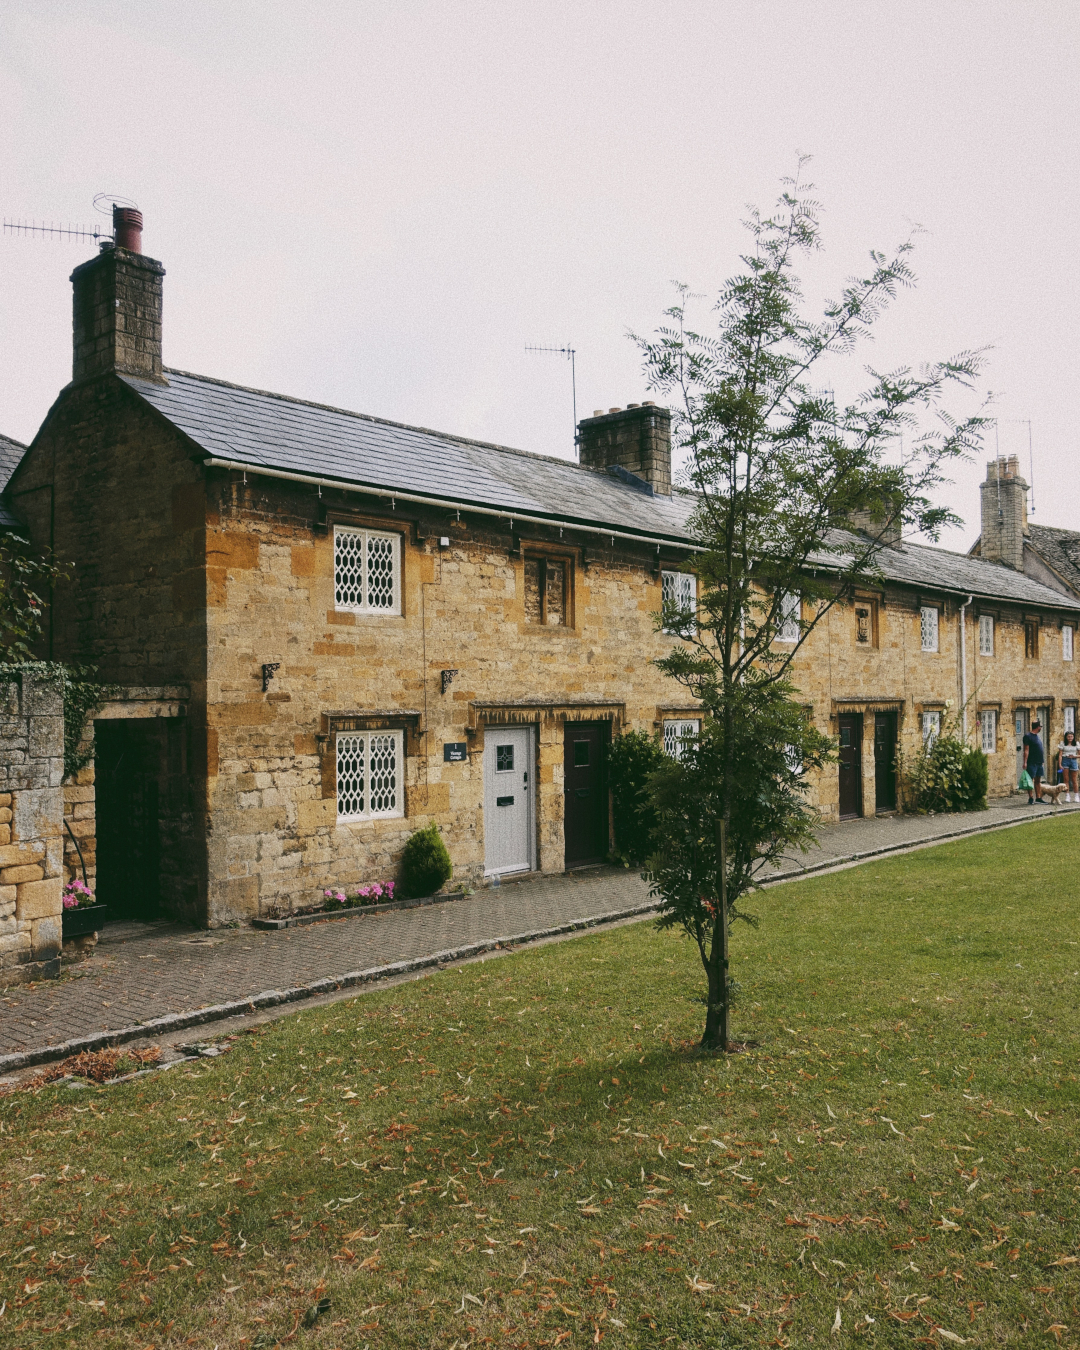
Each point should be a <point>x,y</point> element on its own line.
<point>406,720</point>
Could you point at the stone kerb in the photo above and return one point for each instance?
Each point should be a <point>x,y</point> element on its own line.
<point>31,824</point>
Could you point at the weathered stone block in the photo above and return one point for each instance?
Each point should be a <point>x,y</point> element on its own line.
<point>46,938</point>
<point>46,737</point>
<point>17,876</point>
<point>5,835</point>
<point>236,898</point>
<point>38,813</point>
<point>21,855</point>
<point>315,815</point>
<point>39,899</point>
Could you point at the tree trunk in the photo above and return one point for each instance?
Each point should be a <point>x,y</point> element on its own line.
<point>716,1017</point>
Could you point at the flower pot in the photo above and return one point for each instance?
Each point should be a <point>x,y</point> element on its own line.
<point>83,919</point>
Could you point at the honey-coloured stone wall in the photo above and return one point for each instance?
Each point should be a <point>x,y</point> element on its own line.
<point>277,842</point>
<point>31,820</point>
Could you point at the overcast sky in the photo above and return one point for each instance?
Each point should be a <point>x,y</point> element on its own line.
<point>378,206</point>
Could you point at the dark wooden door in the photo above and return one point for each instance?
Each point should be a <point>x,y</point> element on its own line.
<point>885,761</point>
<point>585,792</point>
<point>850,765</point>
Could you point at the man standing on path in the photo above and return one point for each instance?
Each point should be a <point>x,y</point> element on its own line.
<point>1034,759</point>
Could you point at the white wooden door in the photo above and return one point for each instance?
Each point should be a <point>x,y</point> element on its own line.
<point>509,812</point>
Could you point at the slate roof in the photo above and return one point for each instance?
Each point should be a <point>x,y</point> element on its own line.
<point>1059,549</point>
<point>263,430</point>
<point>10,454</point>
<point>924,567</point>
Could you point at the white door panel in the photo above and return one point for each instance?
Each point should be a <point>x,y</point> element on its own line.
<point>509,812</point>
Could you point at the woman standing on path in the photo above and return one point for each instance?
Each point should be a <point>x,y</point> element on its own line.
<point>1069,754</point>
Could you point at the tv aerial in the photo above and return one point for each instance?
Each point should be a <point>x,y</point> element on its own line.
<point>569,352</point>
<point>104,202</point>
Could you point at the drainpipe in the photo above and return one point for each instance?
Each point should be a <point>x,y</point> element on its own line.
<point>963,664</point>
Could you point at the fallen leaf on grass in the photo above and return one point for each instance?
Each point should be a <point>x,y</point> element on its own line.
<point>836,1324</point>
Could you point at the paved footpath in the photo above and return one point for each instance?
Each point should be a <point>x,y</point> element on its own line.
<point>150,979</point>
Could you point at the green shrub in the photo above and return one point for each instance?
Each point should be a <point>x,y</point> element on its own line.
<point>632,758</point>
<point>945,774</point>
<point>975,779</point>
<point>425,864</point>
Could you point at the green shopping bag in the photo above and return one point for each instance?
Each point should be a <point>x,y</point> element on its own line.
<point>1026,781</point>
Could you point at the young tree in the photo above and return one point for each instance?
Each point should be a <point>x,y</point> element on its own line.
<point>779,468</point>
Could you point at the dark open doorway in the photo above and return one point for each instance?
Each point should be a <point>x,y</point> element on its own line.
<point>142,805</point>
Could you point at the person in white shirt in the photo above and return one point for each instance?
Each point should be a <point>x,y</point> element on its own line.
<point>1069,756</point>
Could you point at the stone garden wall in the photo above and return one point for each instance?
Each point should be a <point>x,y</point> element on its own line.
<point>31,825</point>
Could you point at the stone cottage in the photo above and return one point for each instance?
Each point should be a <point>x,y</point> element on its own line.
<point>330,629</point>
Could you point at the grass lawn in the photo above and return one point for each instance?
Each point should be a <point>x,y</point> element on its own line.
<point>531,1151</point>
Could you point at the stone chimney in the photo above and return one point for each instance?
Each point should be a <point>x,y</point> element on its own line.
<point>1004,513</point>
<point>117,307</point>
<point>871,522</point>
<point>636,438</point>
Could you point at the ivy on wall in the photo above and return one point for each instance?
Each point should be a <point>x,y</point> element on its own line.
<point>82,693</point>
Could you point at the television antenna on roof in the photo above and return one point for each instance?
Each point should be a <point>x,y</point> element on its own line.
<point>104,203</point>
<point>570,353</point>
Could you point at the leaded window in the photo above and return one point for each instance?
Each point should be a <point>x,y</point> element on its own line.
<point>679,588</point>
<point>988,727</point>
<point>1069,711</point>
<point>1031,639</point>
<point>370,769</point>
<point>679,734</point>
<point>1067,643</point>
<point>931,727</point>
<point>790,612</point>
<point>986,635</point>
<point>929,628</point>
<point>367,571</point>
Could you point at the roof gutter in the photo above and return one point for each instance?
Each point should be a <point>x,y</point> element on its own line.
<point>239,467</point>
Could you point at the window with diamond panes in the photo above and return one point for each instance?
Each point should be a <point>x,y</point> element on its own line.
<point>931,727</point>
<point>790,610</point>
<point>370,768</point>
<point>928,619</point>
<point>1067,643</point>
<point>678,588</point>
<point>988,720</point>
<point>367,571</point>
<point>1069,711</point>
<point>986,635</point>
<point>678,734</point>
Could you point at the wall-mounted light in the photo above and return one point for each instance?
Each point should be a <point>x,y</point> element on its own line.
<point>447,679</point>
<point>269,670</point>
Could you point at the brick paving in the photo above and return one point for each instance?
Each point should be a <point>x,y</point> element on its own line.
<point>141,972</point>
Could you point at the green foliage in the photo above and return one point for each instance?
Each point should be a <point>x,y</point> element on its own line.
<point>778,468</point>
<point>633,757</point>
<point>26,577</point>
<point>425,864</point>
<point>764,752</point>
<point>945,774</point>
